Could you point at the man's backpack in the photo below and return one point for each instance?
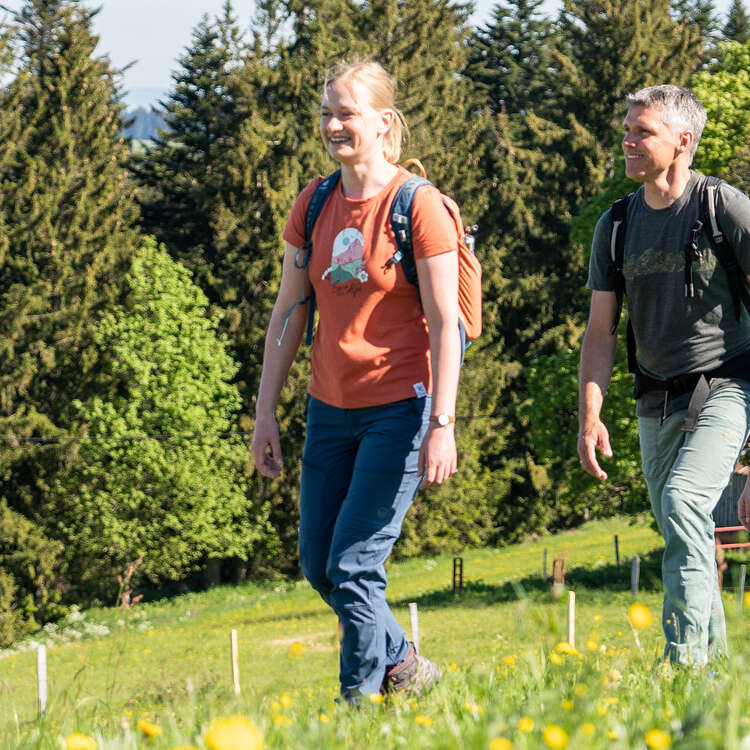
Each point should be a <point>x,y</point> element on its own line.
<point>722,249</point>
<point>694,382</point>
<point>469,268</point>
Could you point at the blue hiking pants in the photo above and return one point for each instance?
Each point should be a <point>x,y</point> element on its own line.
<point>686,473</point>
<point>359,477</point>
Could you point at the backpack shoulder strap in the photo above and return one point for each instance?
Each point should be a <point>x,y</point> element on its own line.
<point>314,207</point>
<point>618,218</point>
<point>319,197</point>
<point>723,250</point>
<point>302,258</point>
<point>401,223</point>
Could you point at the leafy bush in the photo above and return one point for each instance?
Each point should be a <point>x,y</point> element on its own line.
<point>30,589</point>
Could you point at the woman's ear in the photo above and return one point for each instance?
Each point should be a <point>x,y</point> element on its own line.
<point>386,121</point>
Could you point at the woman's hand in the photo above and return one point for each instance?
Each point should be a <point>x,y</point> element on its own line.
<point>265,439</point>
<point>437,456</point>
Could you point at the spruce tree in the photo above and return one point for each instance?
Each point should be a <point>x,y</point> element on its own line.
<point>737,27</point>
<point>68,213</point>
<point>216,189</point>
<point>511,58</point>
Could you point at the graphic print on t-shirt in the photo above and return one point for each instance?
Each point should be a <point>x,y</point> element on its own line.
<point>346,258</point>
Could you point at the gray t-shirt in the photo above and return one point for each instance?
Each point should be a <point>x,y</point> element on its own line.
<point>674,334</point>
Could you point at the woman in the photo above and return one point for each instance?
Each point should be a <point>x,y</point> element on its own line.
<point>381,401</point>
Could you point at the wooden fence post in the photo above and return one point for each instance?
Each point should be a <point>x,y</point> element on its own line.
<point>235,662</point>
<point>635,574</point>
<point>414,617</point>
<point>572,618</point>
<point>41,675</point>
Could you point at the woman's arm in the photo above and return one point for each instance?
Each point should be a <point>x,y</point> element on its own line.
<point>278,355</point>
<point>438,287</point>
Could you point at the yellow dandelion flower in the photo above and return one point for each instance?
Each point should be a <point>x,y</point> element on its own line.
<point>425,721</point>
<point>601,710</point>
<point>281,721</point>
<point>555,658</point>
<point>612,734</point>
<point>149,728</point>
<point>614,675</point>
<point>233,733</point>
<point>597,618</point>
<point>526,724</point>
<point>452,667</point>
<point>555,737</point>
<point>588,729</point>
<point>612,700</point>
<point>501,743</point>
<point>324,719</point>
<point>79,741</point>
<point>567,705</point>
<point>510,660</point>
<point>566,648</point>
<point>657,740</point>
<point>297,649</point>
<point>376,697</point>
<point>473,707</point>
<point>275,707</point>
<point>580,689</point>
<point>747,599</point>
<point>286,701</point>
<point>640,616</point>
<point>591,644</point>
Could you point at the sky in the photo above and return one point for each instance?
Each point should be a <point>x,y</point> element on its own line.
<point>151,34</point>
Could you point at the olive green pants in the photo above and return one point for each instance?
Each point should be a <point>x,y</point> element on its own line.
<point>686,473</point>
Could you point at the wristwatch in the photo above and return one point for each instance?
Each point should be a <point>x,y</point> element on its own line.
<point>442,419</point>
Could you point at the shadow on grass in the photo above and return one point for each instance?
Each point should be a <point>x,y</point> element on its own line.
<point>607,577</point>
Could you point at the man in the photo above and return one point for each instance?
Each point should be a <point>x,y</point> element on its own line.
<point>687,321</point>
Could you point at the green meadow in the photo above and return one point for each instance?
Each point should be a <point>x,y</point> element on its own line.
<point>510,681</point>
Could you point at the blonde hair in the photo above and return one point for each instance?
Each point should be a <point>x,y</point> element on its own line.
<point>382,90</point>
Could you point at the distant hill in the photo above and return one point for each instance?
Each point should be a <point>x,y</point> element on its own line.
<point>144,124</point>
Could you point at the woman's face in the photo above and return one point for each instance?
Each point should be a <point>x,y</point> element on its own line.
<point>351,129</point>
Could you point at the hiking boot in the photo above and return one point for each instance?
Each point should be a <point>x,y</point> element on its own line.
<point>413,676</point>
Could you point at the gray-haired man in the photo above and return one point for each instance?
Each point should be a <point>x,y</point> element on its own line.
<point>689,347</point>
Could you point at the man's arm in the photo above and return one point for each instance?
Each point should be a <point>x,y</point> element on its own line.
<point>597,360</point>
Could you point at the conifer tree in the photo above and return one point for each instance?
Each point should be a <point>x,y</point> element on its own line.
<point>737,27</point>
<point>216,189</point>
<point>68,214</point>
<point>511,58</point>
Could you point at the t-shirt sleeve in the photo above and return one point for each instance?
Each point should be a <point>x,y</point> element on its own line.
<point>601,277</point>
<point>733,211</point>
<point>433,228</point>
<point>294,231</point>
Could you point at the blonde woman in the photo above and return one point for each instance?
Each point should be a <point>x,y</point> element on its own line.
<point>381,401</point>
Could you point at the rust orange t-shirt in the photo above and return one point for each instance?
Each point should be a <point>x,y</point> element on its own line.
<point>371,346</point>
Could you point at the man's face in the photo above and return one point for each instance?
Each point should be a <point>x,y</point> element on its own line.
<point>650,146</point>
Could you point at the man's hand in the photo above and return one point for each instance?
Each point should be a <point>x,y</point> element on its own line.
<point>743,506</point>
<point>593,436</point>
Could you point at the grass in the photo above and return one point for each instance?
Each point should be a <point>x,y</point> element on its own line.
<point>168,662</point>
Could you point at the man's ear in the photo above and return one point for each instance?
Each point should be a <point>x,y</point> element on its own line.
<point>686,141</point>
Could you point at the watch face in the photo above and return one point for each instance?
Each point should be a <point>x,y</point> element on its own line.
<point>443,419</point>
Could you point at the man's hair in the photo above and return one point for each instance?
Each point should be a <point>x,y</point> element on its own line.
<point>680,109</point>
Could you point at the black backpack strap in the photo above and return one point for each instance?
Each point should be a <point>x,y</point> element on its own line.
<point>723,250</point>
<point>618,218</point>
<point>401,223</point>
<point>302,257</point>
